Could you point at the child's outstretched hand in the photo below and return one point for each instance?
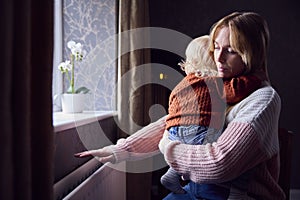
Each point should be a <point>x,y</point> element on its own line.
<point>103,155</point>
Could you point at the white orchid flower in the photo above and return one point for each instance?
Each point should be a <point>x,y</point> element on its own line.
<point>65,66</point>
<point>78,51</point>
<point>71,44</point>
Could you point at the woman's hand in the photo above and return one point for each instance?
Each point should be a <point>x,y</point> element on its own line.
<point>103,155</point>
<point>164,142</point>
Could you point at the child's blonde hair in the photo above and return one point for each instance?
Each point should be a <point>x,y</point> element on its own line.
<point>198,60</point>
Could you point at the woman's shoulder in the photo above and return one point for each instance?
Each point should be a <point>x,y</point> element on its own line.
<point>262,100</point>
<point>265,93</point>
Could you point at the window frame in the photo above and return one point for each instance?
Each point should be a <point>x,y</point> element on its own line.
<point>57,85</point>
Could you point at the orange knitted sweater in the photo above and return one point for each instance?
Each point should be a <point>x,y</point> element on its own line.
<point>203,100</point>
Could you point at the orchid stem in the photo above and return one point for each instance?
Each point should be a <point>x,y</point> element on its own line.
<point>72,74</point>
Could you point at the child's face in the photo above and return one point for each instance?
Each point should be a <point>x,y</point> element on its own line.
<point>229,63</point>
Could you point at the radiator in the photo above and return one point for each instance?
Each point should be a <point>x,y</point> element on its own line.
<point>104,184</point>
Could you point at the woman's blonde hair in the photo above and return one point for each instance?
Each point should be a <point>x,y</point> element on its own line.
<point>198,60</point>
<point>249,37</point>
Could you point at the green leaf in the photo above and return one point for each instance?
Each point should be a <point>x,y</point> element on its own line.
<point>82,90</point>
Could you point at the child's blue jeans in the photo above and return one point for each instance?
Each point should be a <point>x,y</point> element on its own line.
<point>196,191</point>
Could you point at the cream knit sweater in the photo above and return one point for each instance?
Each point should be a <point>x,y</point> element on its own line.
<point>250,141</point>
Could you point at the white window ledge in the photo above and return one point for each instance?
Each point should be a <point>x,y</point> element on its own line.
<point>63,121</point>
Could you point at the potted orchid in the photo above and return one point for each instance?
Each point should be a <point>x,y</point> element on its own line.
<point>77,54</point>
<point>73,99</point>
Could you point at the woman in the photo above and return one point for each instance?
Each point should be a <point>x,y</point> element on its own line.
<point>197,107</point>
<point>249,144</point>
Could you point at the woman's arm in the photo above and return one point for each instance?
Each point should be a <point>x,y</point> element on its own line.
<point>142,144</point>
<point>249,139</point>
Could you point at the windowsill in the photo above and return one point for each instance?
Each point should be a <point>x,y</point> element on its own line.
<point>63,121</point>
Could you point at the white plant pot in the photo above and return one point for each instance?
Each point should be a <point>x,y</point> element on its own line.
<point>72,103</point>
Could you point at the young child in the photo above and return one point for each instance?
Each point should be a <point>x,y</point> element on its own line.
<point>197,105</point>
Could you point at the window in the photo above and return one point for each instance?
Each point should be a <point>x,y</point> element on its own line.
<point>92,23</point>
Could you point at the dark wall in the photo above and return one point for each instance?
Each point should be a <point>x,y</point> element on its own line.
<point>194,18</point>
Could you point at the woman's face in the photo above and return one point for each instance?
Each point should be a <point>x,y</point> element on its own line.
<point>229,62</point>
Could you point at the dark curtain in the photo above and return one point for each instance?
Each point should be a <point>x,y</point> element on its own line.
<point>26,108</point>
<point>134,95</point>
